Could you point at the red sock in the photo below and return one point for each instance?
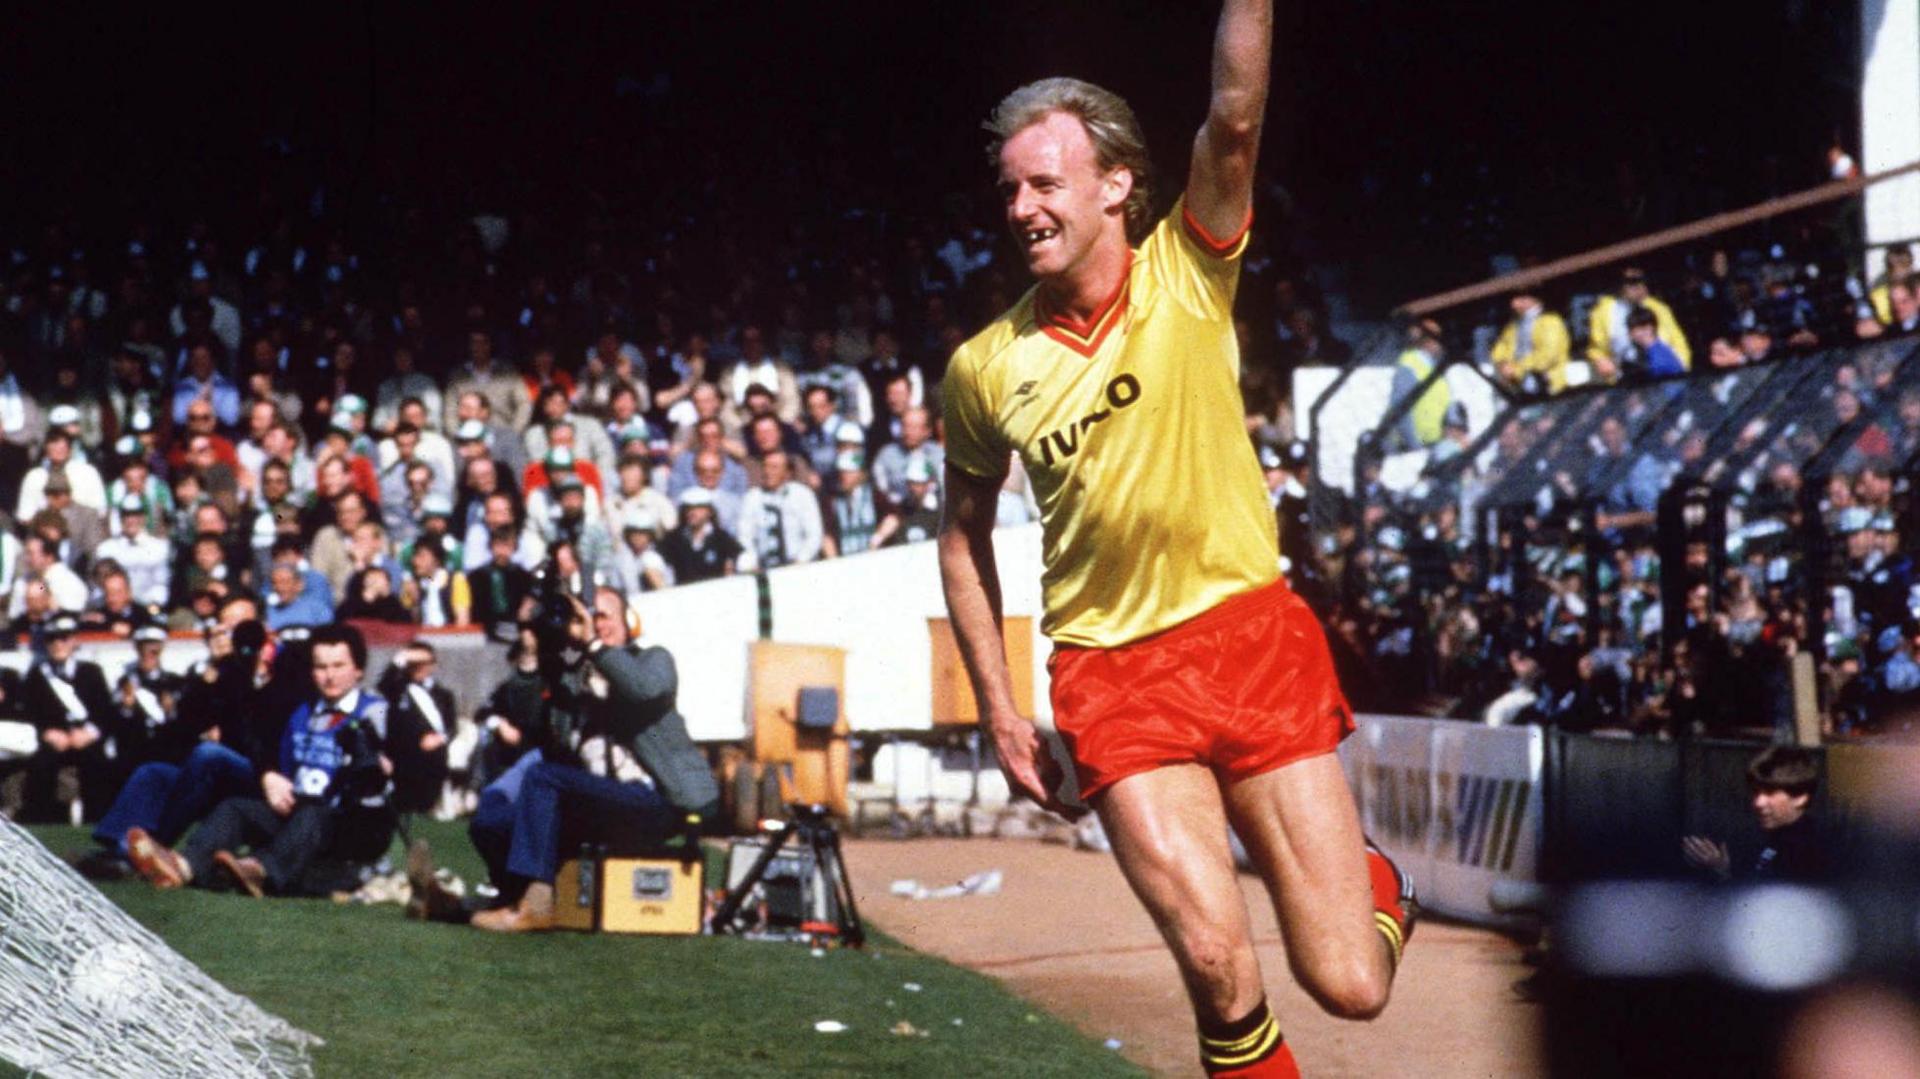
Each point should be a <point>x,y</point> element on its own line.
<point>1250,1047</point>
<point>1277,1065</point>
<point>1394,904</point>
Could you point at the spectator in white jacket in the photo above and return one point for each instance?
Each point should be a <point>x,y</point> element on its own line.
<point>88,489</point>
<point>780,519</point>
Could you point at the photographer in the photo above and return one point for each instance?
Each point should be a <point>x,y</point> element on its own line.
<point>324,808</point>
<point>615,752</point>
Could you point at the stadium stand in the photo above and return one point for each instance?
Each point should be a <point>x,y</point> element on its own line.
<point>1646,538</point>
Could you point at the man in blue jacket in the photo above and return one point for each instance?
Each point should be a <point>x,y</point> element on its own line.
<point>323,808</point>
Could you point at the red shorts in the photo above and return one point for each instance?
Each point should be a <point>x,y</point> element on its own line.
<point>1243,688</point>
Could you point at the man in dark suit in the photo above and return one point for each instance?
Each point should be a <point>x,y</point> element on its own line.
<point>421,721</point>
<point>68,702</point>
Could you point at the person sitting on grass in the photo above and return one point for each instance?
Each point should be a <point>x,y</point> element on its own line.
<point>225,732</point>
<point>323,812</point>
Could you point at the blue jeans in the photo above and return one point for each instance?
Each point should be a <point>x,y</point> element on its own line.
<point>165,799</point>
<point>596,807</point>
<point>516,828</point>
<point>491,828</point>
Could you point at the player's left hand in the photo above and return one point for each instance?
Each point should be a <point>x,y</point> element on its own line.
<point>1027,763</point>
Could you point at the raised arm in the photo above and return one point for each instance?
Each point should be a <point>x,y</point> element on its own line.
<point>1220,182</point>
<point>972,584</point>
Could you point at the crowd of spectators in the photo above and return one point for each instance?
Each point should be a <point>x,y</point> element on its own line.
<point>1651,556</point>
<point>206,426</point>
<point>1733,308</point>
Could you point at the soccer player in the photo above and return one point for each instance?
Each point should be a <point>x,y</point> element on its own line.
<point>1191,687</point>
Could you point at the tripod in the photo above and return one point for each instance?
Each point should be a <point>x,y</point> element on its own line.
<point>810,827</point>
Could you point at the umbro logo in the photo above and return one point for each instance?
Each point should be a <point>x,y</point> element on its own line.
<point>1025,388</point>
<point>1024,396</point>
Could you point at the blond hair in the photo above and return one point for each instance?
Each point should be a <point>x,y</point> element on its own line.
<point>1109,123</point>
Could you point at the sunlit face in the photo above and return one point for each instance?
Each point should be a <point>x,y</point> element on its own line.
<point>1777,808</point>
<point>899,396</point>
<point>706,400</point>
<point>1059,203</point>
<point>915,426</point>
<point>819,406</point>
<point>333,477</point>
<point>708,470</point>
<point>622,406</point>
<point>499,512</point>
<point>422,665</point>
<point>776,473</point>
<point>633,476</point>
<point>609,619</point>
<point>285,580</point>
<point>1904,302</point>
<point>334,671</point>
<point>348,512</point>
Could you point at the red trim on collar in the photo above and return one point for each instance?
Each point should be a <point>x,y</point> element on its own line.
<point>1212,244</point>
<point>1085,337</point>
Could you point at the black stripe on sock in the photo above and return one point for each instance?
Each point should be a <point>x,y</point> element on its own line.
<point>1236,1029</point>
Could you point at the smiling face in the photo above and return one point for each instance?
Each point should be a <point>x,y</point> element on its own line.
<point>1059,203</point>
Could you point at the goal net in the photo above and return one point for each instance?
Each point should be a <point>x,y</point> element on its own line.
<point>87,991</point>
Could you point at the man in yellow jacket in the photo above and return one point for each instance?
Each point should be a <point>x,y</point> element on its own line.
<point>1608,341</point>
<point>1420,424</point>
<point>1535,343</point>
<point>1899,267</point>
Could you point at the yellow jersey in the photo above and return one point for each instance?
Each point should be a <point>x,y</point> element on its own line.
<point>1133,433</point>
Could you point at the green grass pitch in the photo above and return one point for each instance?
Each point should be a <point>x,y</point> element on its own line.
<point>398,998</point>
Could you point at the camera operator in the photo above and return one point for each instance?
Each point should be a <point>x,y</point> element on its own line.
<point>615,751</point>
<point>323,810</point>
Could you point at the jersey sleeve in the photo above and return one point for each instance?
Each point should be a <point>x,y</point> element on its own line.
<point>1200,269</point>
<point>974,443</point>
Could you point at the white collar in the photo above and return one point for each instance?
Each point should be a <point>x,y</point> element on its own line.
<point>348,702</point>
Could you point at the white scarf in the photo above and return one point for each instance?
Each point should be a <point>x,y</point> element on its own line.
<point>423,700</point>
<point>69,699</point>
<point>432,611</point>
<point>13,409</point>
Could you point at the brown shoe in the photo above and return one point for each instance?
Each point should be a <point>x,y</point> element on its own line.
<point>429,899</point>
<point>161,865</point>
<point>533,914</point>
<point>248,873</point>
<point>438,903</point>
